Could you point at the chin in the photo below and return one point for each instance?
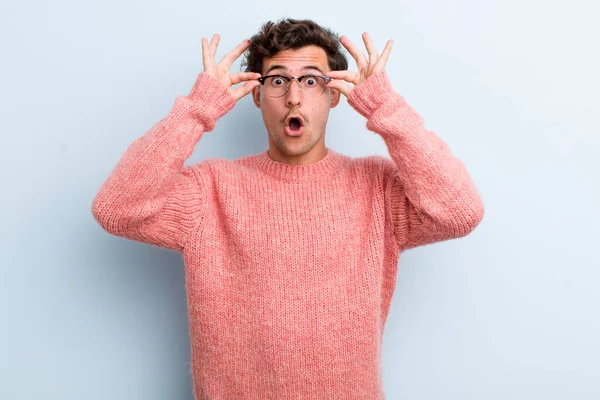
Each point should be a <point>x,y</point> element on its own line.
<point>295,149</point>
<point>295,146</point>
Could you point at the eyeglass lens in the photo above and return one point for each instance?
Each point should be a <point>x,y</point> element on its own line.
<point>312,86</point>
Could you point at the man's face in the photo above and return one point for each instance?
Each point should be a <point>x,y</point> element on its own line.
<point>309,60</point>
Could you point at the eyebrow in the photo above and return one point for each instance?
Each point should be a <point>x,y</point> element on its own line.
<point>312,67</point>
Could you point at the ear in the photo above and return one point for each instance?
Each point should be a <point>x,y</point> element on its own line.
<point>256,96</point>
<point>335,97</point>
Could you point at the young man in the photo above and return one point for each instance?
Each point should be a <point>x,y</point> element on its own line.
<point>291,254</point>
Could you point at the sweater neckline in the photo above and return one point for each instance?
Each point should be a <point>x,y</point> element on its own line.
<point>299,173</point>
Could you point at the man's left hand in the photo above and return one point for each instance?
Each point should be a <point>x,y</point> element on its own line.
<point>365,68</point>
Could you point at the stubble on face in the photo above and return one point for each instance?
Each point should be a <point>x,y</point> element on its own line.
<point>314,111</point>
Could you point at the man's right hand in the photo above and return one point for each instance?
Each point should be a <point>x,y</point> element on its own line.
<point>221,71</point>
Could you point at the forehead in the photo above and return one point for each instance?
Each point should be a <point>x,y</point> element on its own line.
<point>296,59</point>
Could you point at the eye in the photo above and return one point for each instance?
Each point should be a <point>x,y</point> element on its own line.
<point>310,80</point>
<point>277,81</point>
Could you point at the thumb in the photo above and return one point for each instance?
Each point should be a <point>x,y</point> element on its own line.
<point>243,90</point>
<point>341,86</point>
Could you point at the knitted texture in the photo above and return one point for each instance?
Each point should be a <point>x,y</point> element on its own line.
<point>290,269</point>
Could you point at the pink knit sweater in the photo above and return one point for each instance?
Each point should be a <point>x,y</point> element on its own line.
<point>290,269</point>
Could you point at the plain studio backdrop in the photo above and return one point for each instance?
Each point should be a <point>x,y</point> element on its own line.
<point>508,312</point>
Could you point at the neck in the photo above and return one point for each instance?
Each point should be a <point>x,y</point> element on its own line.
<point>304,172</point>
<point>300,159</point>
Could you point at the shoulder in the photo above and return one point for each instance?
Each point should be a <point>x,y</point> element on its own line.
<point>223,170</point>
<point>376,165</point>
<point>209,164</point>
<point>373,171</point>
<point>210,169</point>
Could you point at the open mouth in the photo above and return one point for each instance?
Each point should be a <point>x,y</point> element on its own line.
<point>294,126</point>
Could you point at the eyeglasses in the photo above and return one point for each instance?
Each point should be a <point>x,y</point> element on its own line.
<point>310,85</point>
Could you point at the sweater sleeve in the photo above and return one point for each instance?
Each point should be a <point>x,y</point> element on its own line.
<point>150,196</point>
<point>429,194</point>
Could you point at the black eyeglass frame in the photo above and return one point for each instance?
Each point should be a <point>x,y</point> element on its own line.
<point>289,79</point>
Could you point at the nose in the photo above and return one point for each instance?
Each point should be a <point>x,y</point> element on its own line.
<point>293,95</point>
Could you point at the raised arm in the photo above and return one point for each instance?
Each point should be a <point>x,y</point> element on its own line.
<point>150,196</point>
<point>429,194</point>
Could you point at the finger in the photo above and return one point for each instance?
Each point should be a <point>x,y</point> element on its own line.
<point>243,76</point>
<point>348,76</point>
<point>341,86</point>
<point>370,49</point>
<point>358,56</point>
<point>207,59</point>
<point>214,43</point>
<point>242,91</point>
<point>233,55</point>
<point>384,56</point>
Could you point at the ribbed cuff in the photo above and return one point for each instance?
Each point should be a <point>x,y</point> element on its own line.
<point>371,94</point>
<point>211,100</point>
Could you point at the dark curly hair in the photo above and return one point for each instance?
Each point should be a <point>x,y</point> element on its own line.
<point>292,34</point>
